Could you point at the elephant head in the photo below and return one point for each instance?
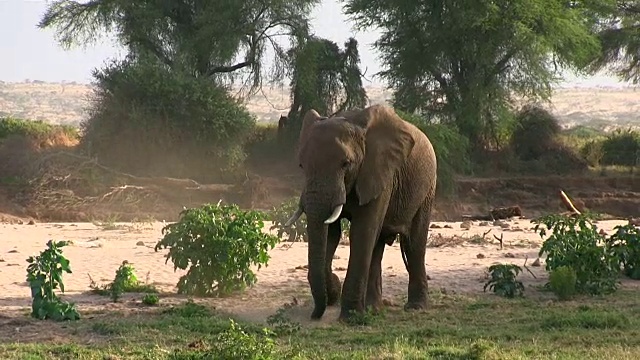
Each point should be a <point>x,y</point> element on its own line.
<point>353,153</point>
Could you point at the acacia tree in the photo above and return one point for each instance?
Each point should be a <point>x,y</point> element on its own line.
<point>325,77</point>
<point>463,61</point>
<point>216,39</point>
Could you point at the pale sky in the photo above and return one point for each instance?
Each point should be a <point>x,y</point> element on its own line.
<point>27,52</point>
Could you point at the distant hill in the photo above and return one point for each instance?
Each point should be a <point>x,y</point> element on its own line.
<point>65,103</point>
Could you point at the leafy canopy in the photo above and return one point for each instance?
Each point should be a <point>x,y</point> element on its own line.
<point>325,77</point>
<point>206,38</point>
<point>462,61</point>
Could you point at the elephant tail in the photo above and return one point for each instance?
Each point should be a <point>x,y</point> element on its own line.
<point>403,250</point>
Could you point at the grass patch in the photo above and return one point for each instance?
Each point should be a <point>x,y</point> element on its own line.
<point>455,327</point>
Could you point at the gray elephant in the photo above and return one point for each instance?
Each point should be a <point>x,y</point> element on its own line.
<point>379,172</point>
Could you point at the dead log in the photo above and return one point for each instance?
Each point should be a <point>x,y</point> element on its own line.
<point>568,204</point>
<point>499,213</point>
<point>506,212</point>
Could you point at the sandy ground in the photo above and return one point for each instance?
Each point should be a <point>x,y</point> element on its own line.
<point>457,267</point>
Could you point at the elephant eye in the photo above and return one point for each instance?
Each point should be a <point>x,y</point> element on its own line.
<point>346,163</point>
<point>300,166</point>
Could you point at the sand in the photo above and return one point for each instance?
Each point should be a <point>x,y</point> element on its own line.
<point>459,267</point>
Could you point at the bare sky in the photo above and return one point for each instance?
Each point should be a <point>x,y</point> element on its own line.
<point>27,52</point>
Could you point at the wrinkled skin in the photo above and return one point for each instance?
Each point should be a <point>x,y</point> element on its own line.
<point>379,172</point>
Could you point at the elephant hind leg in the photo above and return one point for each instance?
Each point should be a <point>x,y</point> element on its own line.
<point>415,247</point>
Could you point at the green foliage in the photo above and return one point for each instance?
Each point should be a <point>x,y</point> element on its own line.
<point>452,151</point>
<point>575,242</point>
<point>535,133</point>
<point>44,275</point>
<point>298,230</point>
<point>626,242</point>
<point>618,36</point>
<point>237,344</point>
<point>504,281</point>
<point>218,244</point>
<point>562,281</point>
<point>279,216</point>
<point>125,281</point>
<point>150,299</point>
<point>592,152</point>
<point>281,324</point>
<point>464,61</point>
<point>148,120</point>
<point>33,128</point>
<point>199,37</point>
<point>621,148</point>
<point>325,77</point>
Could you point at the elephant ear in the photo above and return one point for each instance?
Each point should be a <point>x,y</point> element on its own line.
<point>309,119</point>
<point>388,143</point>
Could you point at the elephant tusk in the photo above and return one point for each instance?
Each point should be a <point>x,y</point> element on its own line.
<point>334,216</point>
<point>294,217</point>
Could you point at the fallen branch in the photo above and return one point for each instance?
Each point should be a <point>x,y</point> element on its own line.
<point>568,204</point>
<point>500,239</point>
<point>526,268</point>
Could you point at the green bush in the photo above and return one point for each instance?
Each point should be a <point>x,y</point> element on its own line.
<point>562,281</point>
<point>218,244</point>
<point>452,151</point>
<point>621,148</point>
<point>148,120</point>
<point>504,281</point>
<point>575,242</point>
<point>535,132</point>
<point>592,152</point>
<point>44,275</point>
<point>626,242</point>
<point>33,129</point>
<point>236,343</point>
<point>279,216</point>
<point>298,230</point>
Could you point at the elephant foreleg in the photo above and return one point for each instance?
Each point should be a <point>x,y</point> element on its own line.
<point>374,284</point>
<point>416,247</point>
<point>334,288</point>
<point>363,236</point>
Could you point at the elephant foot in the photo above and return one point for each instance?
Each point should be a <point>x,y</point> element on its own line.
<point>334,289</point>
<point>317,314</point>
<point>415,305</point>
<point>374,305</point>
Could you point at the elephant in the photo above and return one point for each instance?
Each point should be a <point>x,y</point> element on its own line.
<point>379,172</point>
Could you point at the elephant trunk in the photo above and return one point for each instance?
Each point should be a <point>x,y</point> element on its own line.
<point>317,232</point>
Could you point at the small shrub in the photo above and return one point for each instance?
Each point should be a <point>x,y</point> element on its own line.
<point>125,281</point>
<point>576,242</point>
<point>562,281</point>
<point>44,275</point>
<point>626,242</point>
<point>621,148</point>
<point>298,230</point>
<point>592,152</point>
<point>150,299</point>
<point>504,281</point>
<point>236,343</point>
<point>218,244</point>
<point>535,132</point>
<point>279,216</point>
<point>281,324</point>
